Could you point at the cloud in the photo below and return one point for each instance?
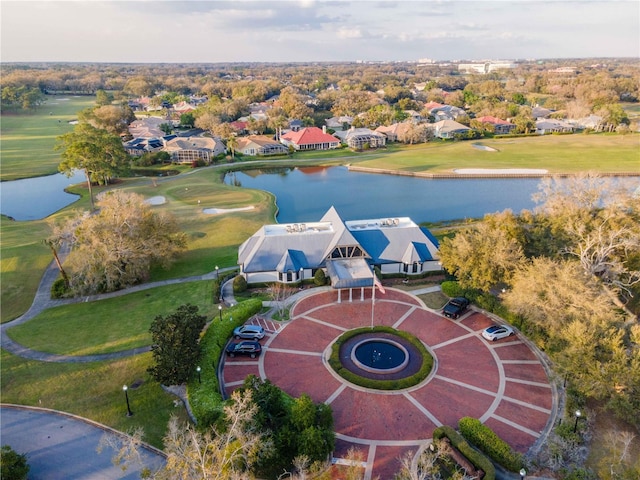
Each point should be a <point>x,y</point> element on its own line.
<point>349,33</point>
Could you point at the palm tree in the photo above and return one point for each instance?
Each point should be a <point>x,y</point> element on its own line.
<point>232,143</point>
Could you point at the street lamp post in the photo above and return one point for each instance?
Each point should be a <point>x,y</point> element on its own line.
<point>575,425</point>
<point>126,396</point>
<point>523,472</point>
<point>217,272</point>
<point>301,275</point>
<point>198,369</point>
<point>220,311</point>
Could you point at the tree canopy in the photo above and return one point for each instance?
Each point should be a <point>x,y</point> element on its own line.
<point>176,348</point>
<point>117,246</point>
<point>98,153</point>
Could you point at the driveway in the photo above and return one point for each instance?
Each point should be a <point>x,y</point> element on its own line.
<point>503,383</point>
<point>60,446</point>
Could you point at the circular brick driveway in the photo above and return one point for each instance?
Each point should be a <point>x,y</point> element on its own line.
<point>502,383</point>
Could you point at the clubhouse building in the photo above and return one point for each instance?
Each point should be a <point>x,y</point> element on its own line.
<point>346,250</point>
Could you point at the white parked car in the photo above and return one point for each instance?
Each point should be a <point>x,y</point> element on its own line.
<point>496,332</point>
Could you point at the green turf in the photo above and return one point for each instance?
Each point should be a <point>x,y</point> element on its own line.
<point>555,153</point>
<point>109,325</point>
<point>28,139</point>
<point>92,390</point>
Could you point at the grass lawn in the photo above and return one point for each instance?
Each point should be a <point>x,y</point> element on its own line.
<point>93,391</point>
<point>555,153</point>
<point>28,138</point>
<point>99,327</point>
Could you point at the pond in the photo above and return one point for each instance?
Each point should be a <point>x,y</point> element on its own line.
<point>38,197</point>
<point>305,194</point>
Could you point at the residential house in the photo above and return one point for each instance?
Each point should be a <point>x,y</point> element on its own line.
<point>500,127</point>
<point>394,131</point>
<point>339,123</point>
<point>448,129</point>
<point>310,138</point>
<point>240,127</point>
<point>260,145</point>
<point>539,112</point>
<point>545,126</point>
<point>414,116</point>
<point>183,107</point>
<point>359,138</point>
<point>592,122</point>
<point>295,125</point>
<point>193,149</point>
<point>446,112</point>
<point>139,146</point>
<point>347,250</point>
<point>147,127</point>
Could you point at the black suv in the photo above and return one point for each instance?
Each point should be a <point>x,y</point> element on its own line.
<point>455,307</point>
<point>253,349</point>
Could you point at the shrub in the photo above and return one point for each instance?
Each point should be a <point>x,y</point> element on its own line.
<point>215,290</point>
<point>59,289</point>
<point>336,364</point>
<point>239,284</point>
<point>487,441</point>
<point>204,398</point>
<point>478,459</point>
<point>320,278</point>
<point>13,465</point>
<point>452,289</point>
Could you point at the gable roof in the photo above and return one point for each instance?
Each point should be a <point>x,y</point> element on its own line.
<point>309,136</point>
<point>283,247</point>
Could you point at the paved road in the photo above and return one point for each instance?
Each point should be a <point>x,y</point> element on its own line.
<point>63,447</point>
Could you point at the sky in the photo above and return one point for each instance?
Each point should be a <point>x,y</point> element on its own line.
<point>151,31</point>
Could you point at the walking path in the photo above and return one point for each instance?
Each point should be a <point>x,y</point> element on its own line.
<point>505,384</point>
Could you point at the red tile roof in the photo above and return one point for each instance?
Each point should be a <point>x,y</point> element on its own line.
<point>431,105</point>
<point>309,136</point>
<point>493,120</point>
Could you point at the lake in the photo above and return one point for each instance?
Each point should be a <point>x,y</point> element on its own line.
<point>305,194</point>
<point>38,197</point>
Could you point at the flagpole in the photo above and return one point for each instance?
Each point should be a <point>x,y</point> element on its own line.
<point>373,300</point>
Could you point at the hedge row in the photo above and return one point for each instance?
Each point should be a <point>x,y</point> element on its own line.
<point>478,459</point>
<point>205,398</point>
<point>486,440</point>
<point>425,369</point>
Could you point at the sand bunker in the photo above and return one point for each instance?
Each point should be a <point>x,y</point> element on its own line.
<point>217,211</point>
<point>159,200</point>
<point>501,171</point>
<point>483,147</point>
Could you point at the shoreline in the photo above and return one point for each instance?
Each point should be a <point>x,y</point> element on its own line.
<point>500,173</point>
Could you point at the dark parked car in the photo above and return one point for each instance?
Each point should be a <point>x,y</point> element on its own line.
<point>253,349</point>
<point>455,307</point>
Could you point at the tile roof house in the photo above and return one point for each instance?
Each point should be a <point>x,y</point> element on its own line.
<point>448,129</point>
<point>310,138</point>
<point>260,145</point>
<point>147,127</point>
<point>447,112</point>
<point>192,149</point>
<point>359,138</point>
<point>139,146</point>
<point>394,131</point>
<point>500,126</point>
<point>550,125</point>
<point>339,123</point>
<point>347,250</point>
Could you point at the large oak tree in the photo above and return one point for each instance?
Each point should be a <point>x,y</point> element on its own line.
<point>117,246</point>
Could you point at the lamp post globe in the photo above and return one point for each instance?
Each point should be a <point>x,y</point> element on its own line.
<point>523,472</point>
<point>220,311</point>
<point>217,272</point>
<point>575,425</point>
<point>126,396</point>
<point>198,369</point>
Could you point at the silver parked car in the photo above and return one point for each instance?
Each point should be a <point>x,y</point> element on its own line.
<point>251,332</point>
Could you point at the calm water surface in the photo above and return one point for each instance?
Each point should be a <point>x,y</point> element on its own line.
<point>305,194</point>
<point>38,197</point>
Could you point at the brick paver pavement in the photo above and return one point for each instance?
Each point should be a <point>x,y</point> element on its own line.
<point>502,383</point>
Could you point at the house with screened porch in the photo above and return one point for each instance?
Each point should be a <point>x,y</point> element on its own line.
<point>347,251</point>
